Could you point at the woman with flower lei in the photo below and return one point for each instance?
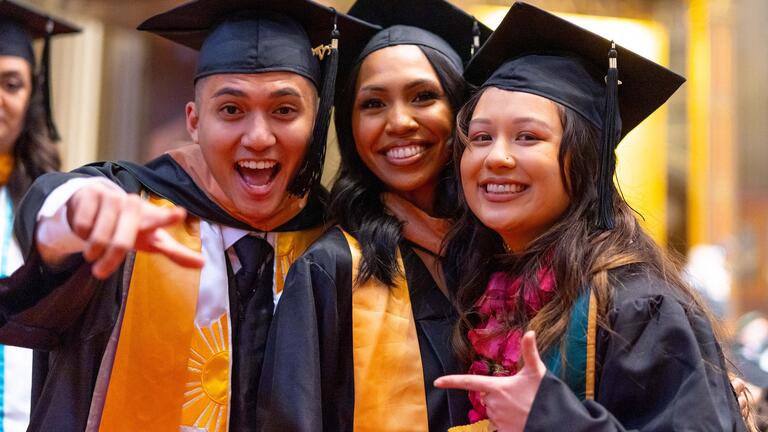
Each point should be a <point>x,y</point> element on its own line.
<point>553,247</point>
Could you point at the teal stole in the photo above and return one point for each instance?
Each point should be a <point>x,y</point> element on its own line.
<point>577,370</point>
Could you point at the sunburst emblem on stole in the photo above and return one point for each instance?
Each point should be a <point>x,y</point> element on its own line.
<point>206,406</point>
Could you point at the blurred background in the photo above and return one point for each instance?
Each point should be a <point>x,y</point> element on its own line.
<point>696,170</point>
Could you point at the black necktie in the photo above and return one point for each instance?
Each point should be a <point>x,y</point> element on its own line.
<point>250,323</point>
<point>255,275</point>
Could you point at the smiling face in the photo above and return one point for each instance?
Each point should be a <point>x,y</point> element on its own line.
<point>253,130</point>
<point>15,92</point>
<point>402,121</point>
<point>510,171</point>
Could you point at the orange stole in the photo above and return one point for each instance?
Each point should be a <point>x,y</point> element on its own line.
<point>290,246</point>
<point>7,162</point>
<point>149,375</point>
<point>389,378</point>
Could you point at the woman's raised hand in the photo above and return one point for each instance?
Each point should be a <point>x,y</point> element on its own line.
<point>507,400</point>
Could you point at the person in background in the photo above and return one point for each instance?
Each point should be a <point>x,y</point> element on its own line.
<point>28,149</point>
<point>556,261</point>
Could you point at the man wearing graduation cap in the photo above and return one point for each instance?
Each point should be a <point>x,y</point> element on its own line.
<point>159,341</point>
<point>28,149</point>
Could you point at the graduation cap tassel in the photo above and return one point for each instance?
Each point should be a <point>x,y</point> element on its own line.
<point>475,37</point>
<point>45,84</point>
<point>311,170</point>
<point>611,133</point>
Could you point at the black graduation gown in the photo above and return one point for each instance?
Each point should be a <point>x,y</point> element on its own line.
<point>69,318</point>
<point>659,368</point>
<point>307,380</point>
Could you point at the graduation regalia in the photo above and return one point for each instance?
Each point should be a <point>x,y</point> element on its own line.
<point>344,355</point>
<point>308,381</point>
<point>70,318</point>
<point>652,363</point>
<point>657,367</point>
<point>156,346</point>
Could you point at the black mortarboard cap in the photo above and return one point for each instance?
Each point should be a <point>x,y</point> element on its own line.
<point>536,52</point>
<point>436,24</point>
<point>19,26</point>
<point>254,36</point>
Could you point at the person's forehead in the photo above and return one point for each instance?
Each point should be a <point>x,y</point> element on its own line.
<point>495,102</point>
<point>412,64</point>
<point>263,82</point>
<point>9,63</point>
<point>408,54</point>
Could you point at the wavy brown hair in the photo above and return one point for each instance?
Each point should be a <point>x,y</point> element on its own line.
<point>580,254</point>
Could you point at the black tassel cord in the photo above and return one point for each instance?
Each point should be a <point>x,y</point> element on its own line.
<point>611,133</point>
<point>312,168</point>
<point>44,76</point>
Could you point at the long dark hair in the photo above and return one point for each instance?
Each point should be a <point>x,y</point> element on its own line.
<point>34,152</point>
<point>356,196</point>
<point>578,253</point>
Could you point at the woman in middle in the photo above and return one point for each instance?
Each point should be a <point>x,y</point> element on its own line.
<point>364,323</point>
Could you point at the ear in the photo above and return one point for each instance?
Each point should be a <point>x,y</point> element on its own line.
<point>193,120</point>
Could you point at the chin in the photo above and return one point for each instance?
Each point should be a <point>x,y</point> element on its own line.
<point>498,223</point>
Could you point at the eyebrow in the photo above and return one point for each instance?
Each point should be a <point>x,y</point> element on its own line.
<point>228,91</point>
<point>11,73</point>
<point>418,82</point>
<point>285,91</point>
<point>372,88</point>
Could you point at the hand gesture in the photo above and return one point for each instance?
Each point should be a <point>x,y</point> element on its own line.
<point>113,222</point>
<point>507,400</point>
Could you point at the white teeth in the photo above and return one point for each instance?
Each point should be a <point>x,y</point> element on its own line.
<point>404,152</point>
<point>504,188</point>
<point>262,164</point>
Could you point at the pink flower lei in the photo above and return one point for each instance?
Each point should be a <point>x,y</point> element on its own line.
<point>496,343</point>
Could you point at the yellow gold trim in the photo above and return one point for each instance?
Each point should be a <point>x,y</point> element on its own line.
<point>290,246</point>
<point>481,426</point>
<point>321,51</point>
<point>591,345</point>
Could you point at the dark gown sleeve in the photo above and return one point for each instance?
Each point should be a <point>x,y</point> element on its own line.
<point>306,381</point>
<point>39,304</point>
<point>660,369</point>
<point>26,215</point>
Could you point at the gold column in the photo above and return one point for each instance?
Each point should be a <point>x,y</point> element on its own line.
<point>713,176</point>
<point>712,181</point>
